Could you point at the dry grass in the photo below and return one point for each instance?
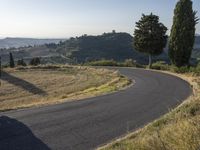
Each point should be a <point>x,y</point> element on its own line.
<point>178,130</point>
<point>33,86</point>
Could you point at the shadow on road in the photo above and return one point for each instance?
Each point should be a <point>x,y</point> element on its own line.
<point>22,83</point>
<point>14,135</point>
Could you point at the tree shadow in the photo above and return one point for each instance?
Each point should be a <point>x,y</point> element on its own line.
<point>14,135</point>
<point>22,83</point>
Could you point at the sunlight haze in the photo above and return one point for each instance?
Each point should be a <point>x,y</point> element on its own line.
<point>66,18</point>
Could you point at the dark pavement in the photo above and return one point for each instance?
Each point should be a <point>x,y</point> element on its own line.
<point>86,124</point>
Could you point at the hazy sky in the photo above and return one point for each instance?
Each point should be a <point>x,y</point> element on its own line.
<point>65,18</point>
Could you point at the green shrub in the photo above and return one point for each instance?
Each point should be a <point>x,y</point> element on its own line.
<point>196,70</point>
<point>184,69</point>
<point>102,63</point>
<point>126,63</point>
<point>21,62</point>
<point>129,63</point>
<point>160,65</point>
<point>5,66</point>
<point>35,61</point>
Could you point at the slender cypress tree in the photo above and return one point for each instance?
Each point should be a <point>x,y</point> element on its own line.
<point>182,33</point>
<point>12,63</point>
<point>150,36</point>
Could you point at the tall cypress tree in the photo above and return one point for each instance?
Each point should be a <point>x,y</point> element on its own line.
<point>150,36</point>
<point>182,33</point>
<point>12,63</point>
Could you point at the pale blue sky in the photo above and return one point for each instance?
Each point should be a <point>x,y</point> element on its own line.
<point>66,18</point>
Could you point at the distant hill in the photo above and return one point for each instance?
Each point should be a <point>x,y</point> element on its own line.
<point>20,42</point>
<point>196,53</point>
<point>116,46</point>
<point>197,42</point>
<point>197,34</point>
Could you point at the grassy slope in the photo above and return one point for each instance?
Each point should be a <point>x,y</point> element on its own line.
<point>26,87</point>
<point>178,130</point>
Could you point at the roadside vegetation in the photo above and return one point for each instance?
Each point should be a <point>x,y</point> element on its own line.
<point>41,85</point>
<point>178,130</point>
<point>195,70</point>
<point>126,63</point>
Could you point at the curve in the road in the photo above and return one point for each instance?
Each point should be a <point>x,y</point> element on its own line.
<point>86,124</point>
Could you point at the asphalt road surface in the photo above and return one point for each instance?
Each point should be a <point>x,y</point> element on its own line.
<point>86,124</point>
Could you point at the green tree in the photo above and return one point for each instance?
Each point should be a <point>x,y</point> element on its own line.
<point>35,61</point>
<point>150,36</point>
<point>182,33</point>
<point>12,63</point>
<point>21,62</point>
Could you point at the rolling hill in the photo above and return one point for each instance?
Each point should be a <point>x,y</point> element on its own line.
<point>116,46</point>
<point>196,51</point>
<point>20,42</point>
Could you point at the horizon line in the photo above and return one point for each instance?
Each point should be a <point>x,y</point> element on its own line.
<point>59,38</point>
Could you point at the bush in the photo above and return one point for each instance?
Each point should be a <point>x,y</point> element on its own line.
<point>126,63</point>
<point>129,63</point>
<point>103,63</point>
<point>5,66</point>
<point>184,69</point>
<point>35,61</point>
<point>196,70</point>
<point>160,65</point>
<point>21,62</point>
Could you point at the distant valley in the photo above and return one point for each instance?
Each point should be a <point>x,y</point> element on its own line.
<point>20,42</point>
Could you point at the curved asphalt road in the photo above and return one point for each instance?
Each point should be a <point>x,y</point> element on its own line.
<point>86,124</point>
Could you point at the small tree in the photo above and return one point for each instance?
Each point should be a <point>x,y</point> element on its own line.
<point>150,36</point>
<point>21,62</point>
<point>35,61</point>
<point>12,63</point>
<point>182,33</point>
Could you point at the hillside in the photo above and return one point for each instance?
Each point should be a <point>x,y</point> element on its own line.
<point>196,53</point>
<point>116,46</point>
<point>46,54</point>
<point>20,42</point>
<point>197,42</point>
